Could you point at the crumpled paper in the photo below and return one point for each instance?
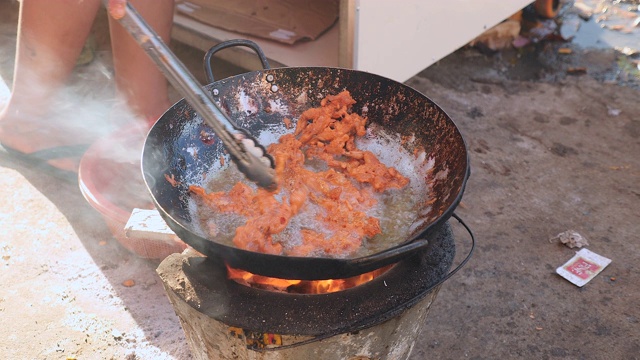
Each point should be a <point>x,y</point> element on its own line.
<point>571,238</point>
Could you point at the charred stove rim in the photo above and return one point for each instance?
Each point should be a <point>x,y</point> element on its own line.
<point>302,314</point>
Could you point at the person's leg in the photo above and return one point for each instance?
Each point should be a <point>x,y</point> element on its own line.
<point>137,76</point>
<point>51,35</point>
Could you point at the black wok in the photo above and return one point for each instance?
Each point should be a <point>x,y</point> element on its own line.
<point>259,101</point>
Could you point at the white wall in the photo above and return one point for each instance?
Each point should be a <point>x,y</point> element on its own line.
<point>400,38</point>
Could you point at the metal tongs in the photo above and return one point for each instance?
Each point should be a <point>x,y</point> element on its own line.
<point>250,157</point>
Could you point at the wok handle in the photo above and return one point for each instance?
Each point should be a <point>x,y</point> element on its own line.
<point>392,255</point>
<point>421,242</point>
<point>231,43</point>
<point>466,258</point>
<point>398,253</point>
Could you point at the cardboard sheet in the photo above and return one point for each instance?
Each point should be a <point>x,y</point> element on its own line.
<point>286,21</point>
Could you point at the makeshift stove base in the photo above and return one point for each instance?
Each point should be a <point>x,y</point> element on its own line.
<point>380,319</point>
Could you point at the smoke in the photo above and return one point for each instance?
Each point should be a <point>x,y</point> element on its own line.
<point>85,110</point>
<point>7,52</point>
<point>89,102</point>
<point>86,107</point>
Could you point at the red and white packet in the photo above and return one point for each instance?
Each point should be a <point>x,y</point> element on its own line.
<point>583,267</point>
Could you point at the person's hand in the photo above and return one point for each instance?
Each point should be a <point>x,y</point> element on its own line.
<point>117,8</point>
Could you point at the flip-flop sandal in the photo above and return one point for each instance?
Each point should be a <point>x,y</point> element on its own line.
<point>39,159</point>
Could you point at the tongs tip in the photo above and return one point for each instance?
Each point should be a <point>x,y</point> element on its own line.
<point>258,172</point>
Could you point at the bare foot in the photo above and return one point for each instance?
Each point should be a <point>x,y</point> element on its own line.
<point>70,120</point>
<point>27,132</point>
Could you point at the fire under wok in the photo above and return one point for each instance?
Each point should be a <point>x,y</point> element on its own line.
<point>177,155</point>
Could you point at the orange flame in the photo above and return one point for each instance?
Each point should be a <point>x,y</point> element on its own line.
<point>301,286</point>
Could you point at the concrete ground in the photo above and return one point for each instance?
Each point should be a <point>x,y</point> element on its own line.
<point>546,157</point>
<point>549,152</point>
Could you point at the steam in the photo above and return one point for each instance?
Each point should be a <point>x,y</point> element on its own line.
<point>7,51</point>
<point>86,110</point>
<point>86,107</point>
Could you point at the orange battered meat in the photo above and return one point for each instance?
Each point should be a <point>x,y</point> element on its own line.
<point>343,193</point>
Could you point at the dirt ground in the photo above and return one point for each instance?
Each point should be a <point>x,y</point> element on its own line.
<point>546,157</point>
<point>549,152</point>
